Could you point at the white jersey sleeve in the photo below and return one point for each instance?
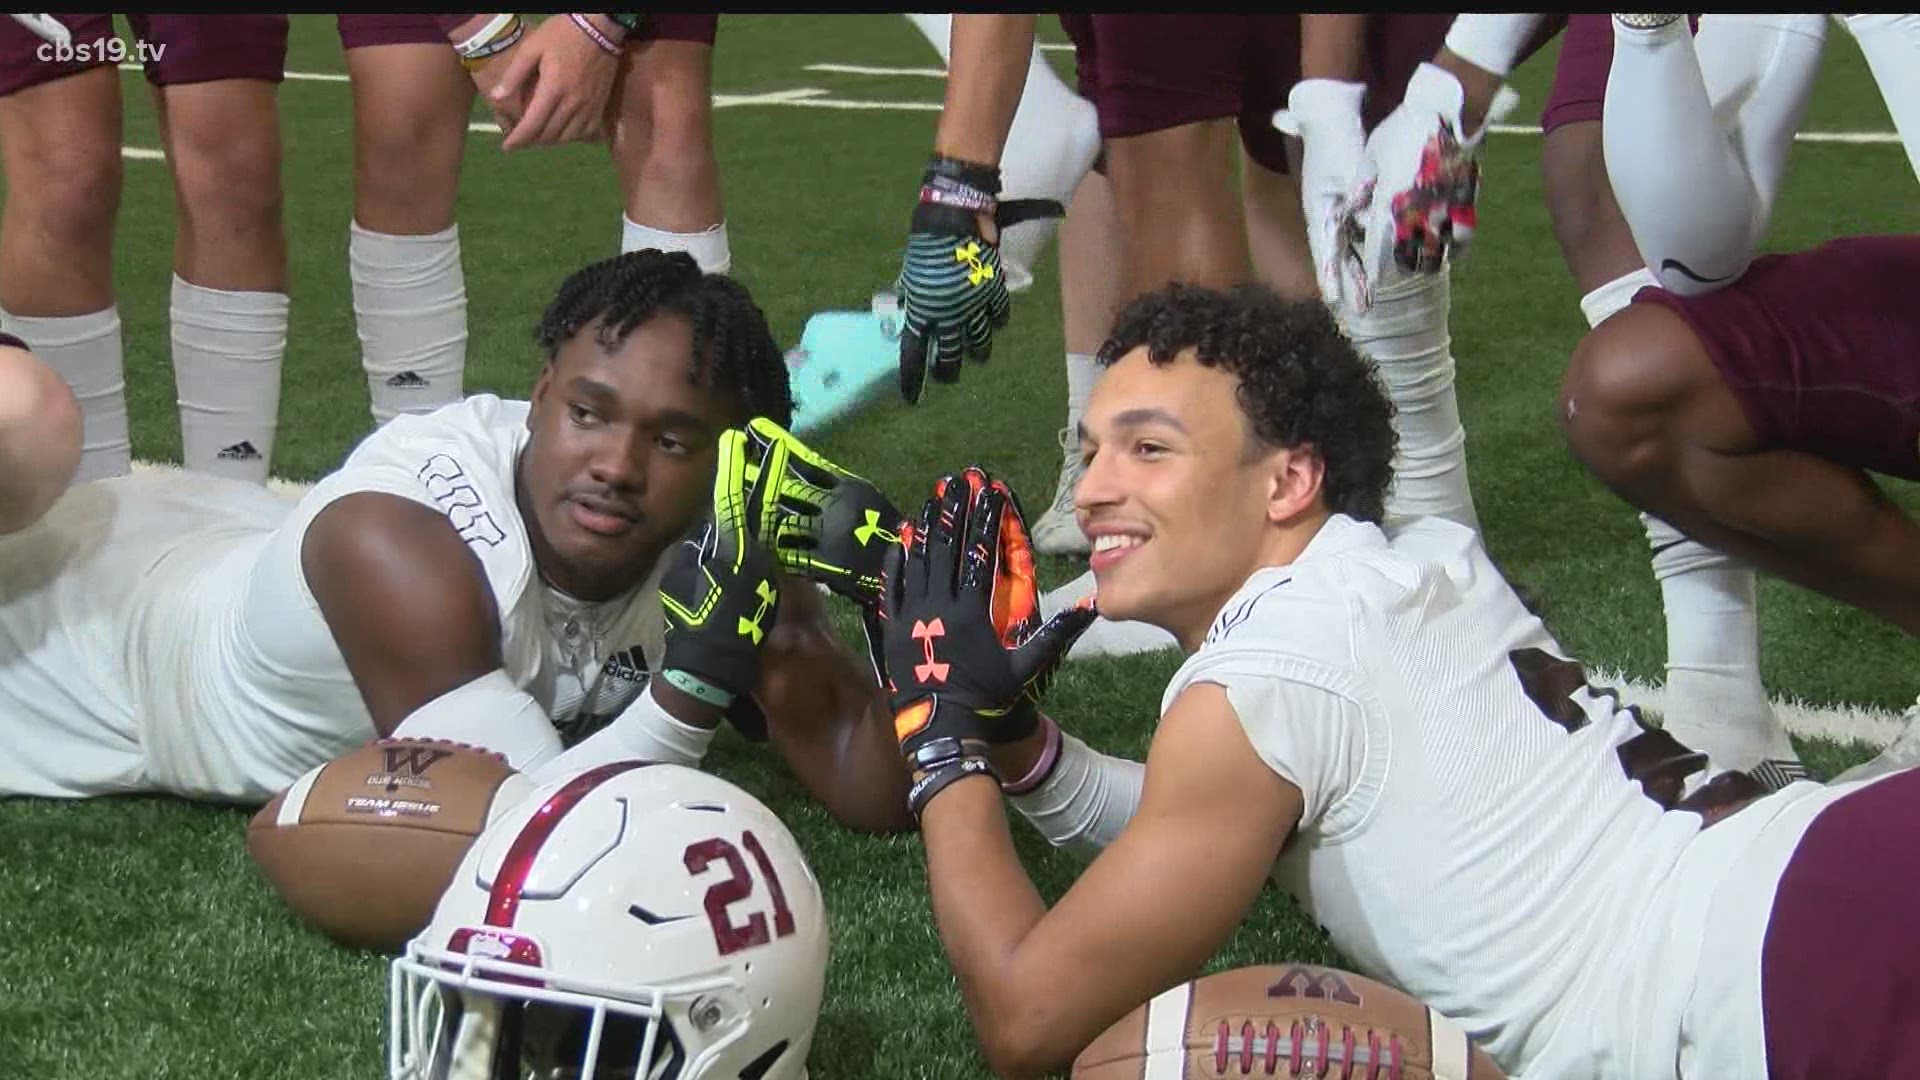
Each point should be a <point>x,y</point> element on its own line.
<point>1305,723</point>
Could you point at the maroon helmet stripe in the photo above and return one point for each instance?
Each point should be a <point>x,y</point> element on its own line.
<point>504,902</point>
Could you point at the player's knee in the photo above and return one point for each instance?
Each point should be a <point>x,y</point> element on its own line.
<point>233,178</point>
<point>69,193</point>
<point>39,439</point>
<point>1619,399</point>
<point>407,171</point>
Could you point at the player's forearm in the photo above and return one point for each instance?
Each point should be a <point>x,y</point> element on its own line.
<point>985,906</point>
<point>985,79</point>
<point>828,720</point>
<point>1332,46</point>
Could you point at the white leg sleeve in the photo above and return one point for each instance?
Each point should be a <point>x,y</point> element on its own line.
<point>1406,335</point>
<point>1892,47</point>
<point>86,351</point>
<point>1696,134</point>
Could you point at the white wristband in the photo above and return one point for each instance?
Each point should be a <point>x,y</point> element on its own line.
<point>1491,41</point>
<point>486,33</point>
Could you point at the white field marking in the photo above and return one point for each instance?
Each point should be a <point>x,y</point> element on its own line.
<point>1056,46</point>
<point>298,76</point>
<point>862,69</point>
<point>1841,723</point>
<point>813,98</point>
<point>141,153</point>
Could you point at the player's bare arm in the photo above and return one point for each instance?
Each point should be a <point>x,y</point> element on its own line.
<point>406,600</point>
<point>1332,46</point>
<point>1042,984</point>
<point>827,718</point>
<point>984,82</point>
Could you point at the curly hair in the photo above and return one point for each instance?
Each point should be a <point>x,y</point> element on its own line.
<point>732,347</point>
<point>1301,381</point>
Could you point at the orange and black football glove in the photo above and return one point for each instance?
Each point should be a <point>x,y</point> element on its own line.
<point>966,655</point>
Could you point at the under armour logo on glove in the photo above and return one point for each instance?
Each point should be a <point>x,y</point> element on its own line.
<point>924,633</point>
<point>750,625</point>
<point>865,533</point>
<point>978,272</point>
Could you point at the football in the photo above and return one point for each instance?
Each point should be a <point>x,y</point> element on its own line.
<point>1283,1020</point>
<point>363,846</point>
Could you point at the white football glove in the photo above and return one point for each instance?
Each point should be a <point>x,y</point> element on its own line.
<point>1325,115</point>
<point>1421,180</point>
<point>46,27</point>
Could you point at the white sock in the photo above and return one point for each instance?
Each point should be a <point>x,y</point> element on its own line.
<point>227,350</point>
<point>1892,45</point>
<point>1695,182</point>
<point>86,351</point>
<point>708,248</point>
<point>1082,372</point>
<point>1716,703</point>
<point>1053,141</point>
<point>1405,334</point>
<point>410,304</point>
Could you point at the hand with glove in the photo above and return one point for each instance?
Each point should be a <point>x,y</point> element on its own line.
<point>960,679</point>
<point>1325,115</point>
<point>1418,192</point>
<point>721,592</point>
<point>952,287</point>
<point>827,523</point>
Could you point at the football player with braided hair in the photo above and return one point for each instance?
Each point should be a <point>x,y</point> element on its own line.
<point>584,576</point>
<point>1369,717</point>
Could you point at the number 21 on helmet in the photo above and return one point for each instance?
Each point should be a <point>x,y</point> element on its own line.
<point>633,922</point>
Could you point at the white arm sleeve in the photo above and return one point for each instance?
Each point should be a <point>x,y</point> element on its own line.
<point>645,731</point>
<point>492,712</point>
<point>1087,800</point>
<point>1491,41</point>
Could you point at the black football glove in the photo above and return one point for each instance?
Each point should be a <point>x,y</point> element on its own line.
<point>952,288</point>
<point>721,592</point>
<point>828,524</point>
<point>957,683</point>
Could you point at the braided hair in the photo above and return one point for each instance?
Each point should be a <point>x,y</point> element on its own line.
<point>732,347</point>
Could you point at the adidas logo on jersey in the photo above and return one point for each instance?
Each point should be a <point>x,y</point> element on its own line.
<point>240,451</point>
<point>408,380</point>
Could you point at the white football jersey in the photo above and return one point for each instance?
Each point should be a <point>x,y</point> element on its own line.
<point>1469,832</point>
<point>190,627</point>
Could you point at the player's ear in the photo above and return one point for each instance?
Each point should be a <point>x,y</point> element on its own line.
<point>1294,476</point>
<point>539,394</point>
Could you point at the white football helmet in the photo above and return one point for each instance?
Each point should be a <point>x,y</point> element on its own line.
<point>632,922</point>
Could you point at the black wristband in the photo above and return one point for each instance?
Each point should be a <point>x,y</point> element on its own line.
<point>933,783</point>
<point>630,23</point>
<point>13,342</point>
<point>971,173</point>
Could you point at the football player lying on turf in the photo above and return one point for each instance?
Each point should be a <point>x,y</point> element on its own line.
<point>1371,718</point>
<point>491,573</point>
<point>39,436</point>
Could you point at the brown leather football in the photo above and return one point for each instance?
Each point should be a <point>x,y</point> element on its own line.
<point>1284,1020</point>
<point>363,846</point>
